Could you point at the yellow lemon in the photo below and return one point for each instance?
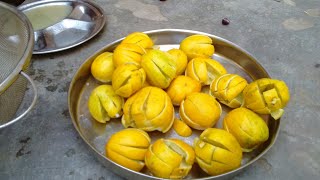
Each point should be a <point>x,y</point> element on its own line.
<point>127,53</point>
<point>200,111</point>
<point>170,158</point>
<point>104,104</point>
<point>228,89</point>
<point>160,68</point>
<point>149,109</point>
<point>247,127</point>
<point>266,96</point>
<point>102,67</point>
<point>128,148</point>
<point>217,151</point>
<point>204,70</point>
<point>197,46</point>
<point>181,60</point>
<point>181,128</point>
<point>128,79</point>
<point>180,87</point>
<point>138,38</point>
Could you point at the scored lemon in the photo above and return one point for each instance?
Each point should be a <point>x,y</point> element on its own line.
<point>149,109</point>
<point>266,96</point>
<point>181,60</point>
<point>247,127</point>
<point>170,158</point>
<point>197,46</point>
<point>217,151</point>
<point>127,53</point>
<point>128,148</point>
<point>104,104</point>
<point>228,89</point>
<point>159,67</point>
<point>102,67</point>
<point>204,70</point>
<point>128,79</point>
<point>200,111</point>
<point>180,87</point>
<point>138,38</point>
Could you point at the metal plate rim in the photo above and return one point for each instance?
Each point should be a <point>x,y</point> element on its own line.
<point>74,121</point>
<point>92,3</point>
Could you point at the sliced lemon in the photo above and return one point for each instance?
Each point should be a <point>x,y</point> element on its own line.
<point>182,128</point>
<point>128,148</point>
<point>170,158</point>
<point>277,114</point>
<point>139,38</point>
<point>197,46</point>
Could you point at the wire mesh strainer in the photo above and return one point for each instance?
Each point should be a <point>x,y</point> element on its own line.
<point>16,45</point>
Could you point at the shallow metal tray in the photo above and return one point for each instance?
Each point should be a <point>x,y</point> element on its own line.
<point>63,24</point>
<point>235,59</point>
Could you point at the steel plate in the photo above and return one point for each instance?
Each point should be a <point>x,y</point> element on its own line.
<point>63,24</point>
<point>235,59</point>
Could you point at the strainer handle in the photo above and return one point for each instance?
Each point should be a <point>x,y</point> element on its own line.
<point>35,93</point>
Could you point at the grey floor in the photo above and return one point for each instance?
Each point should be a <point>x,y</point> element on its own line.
<point>284,35</point>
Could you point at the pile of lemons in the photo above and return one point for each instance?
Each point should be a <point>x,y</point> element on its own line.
<point>142,84</point>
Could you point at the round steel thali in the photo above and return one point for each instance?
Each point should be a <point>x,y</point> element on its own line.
<point>235,60</point>
<point>62,24</point>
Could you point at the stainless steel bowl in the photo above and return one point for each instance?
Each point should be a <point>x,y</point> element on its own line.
<point>95,135</point>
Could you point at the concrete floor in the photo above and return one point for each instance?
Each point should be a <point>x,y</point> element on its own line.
<point>284,35</point>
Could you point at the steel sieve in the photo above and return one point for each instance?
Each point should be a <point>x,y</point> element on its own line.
<point>16,45</point>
